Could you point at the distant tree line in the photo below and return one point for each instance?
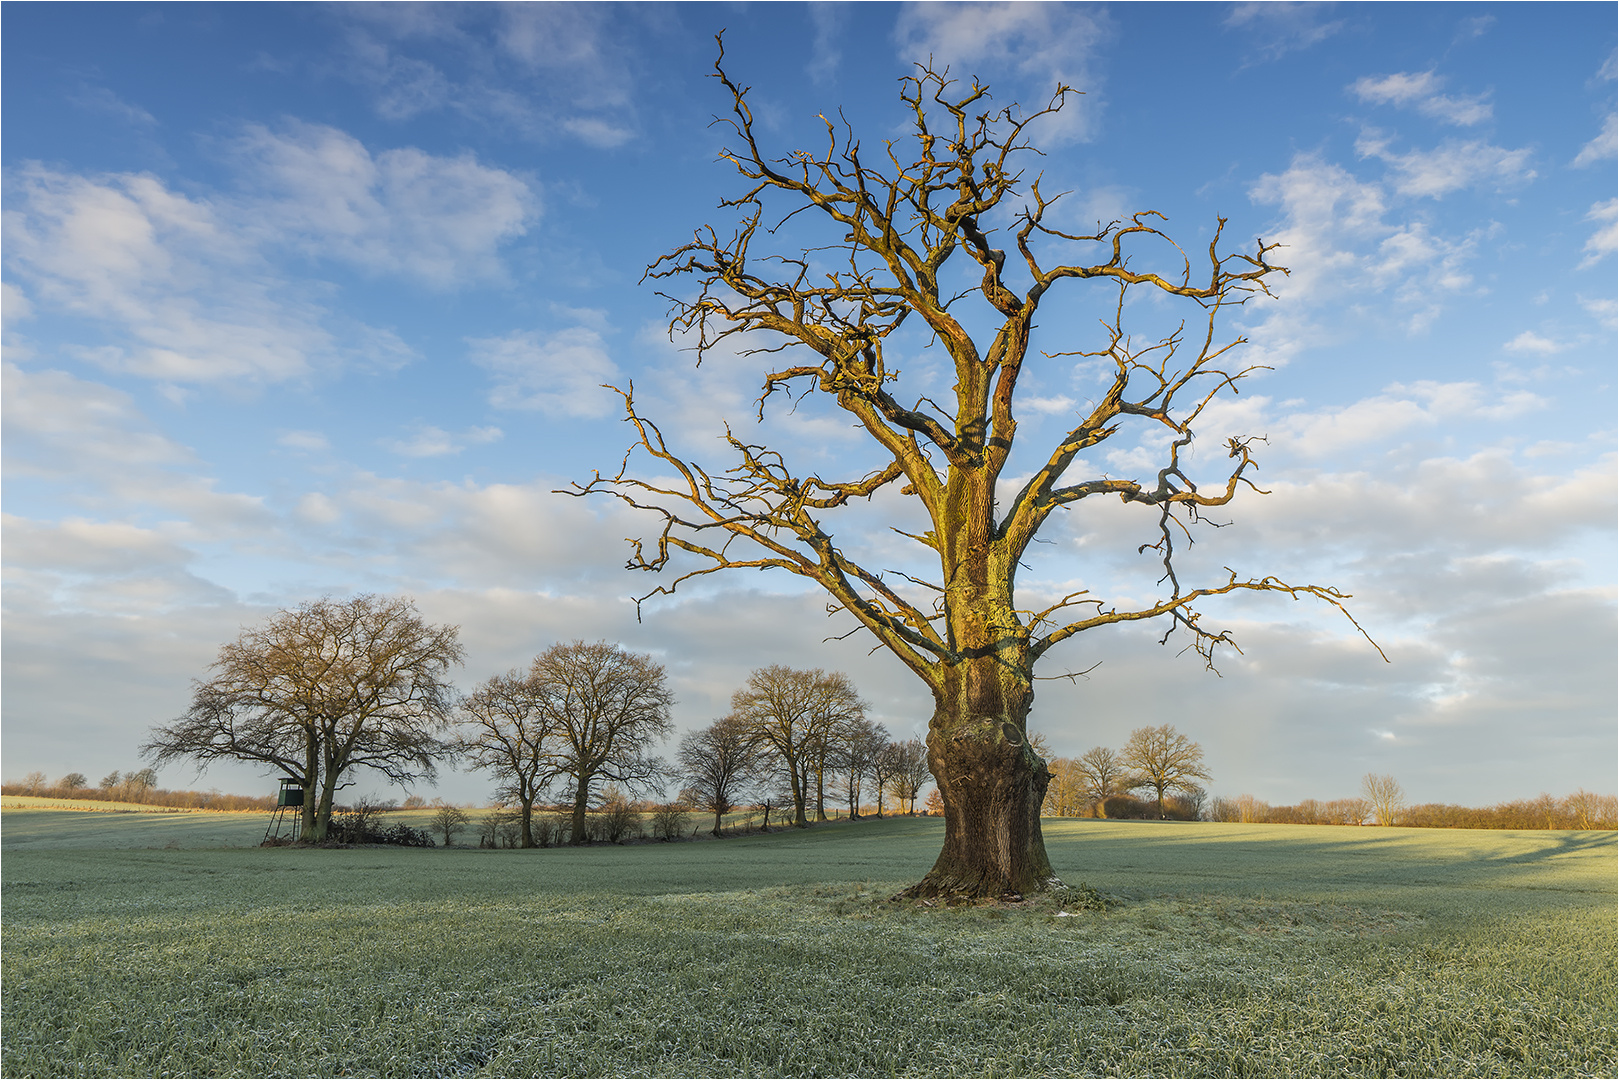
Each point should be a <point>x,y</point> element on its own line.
<point>135,786</point>
<point>1382,801</point>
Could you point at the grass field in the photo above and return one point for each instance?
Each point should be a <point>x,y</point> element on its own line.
<point>149,947</point>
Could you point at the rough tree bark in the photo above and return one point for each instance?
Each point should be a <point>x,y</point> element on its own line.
<point>898,232</point>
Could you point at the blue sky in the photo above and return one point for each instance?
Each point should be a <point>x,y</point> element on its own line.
<point>308,300</point>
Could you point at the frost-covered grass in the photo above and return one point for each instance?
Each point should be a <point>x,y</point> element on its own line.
<point>1227,950</point>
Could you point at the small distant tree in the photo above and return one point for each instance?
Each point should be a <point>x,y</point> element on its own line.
<point>1105,774</point>
<point>934,803</point>
<point>449,820</point>
<point>618,817</point>
<point>911,772</point>
<point>1350,811</point>
<point>1252,811</point>
<point>1189,801</point>
<point>111,781</point>
<point>857,750</point>
<point>415,802</point>
<point>73,781</point>
<point>33,782</point>
<point>1066,794</point>
<point>1384,796</point>
<point>885,767</point>
<point>1163,760</point>
<point>136,784</point>
<point>719,765</point>
<point>669,820</point>
<point>489,826</point>
<point>1590,811</point>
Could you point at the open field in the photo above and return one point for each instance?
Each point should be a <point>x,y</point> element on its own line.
<point>1230,949</point>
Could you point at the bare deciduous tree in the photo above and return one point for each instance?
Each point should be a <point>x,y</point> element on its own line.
<point>911,772</point>
<point>719,765</point>
<point>1104,774</point>
<point>856,751</point>
<point>73,781</point>
<point>1066,794</point>
<point>908,236</point>
<point>449,820</point>
<point>1163,760</point>
<point>505,732</point>
<point>793,714</point>
<point>1384,797</point>
<point>605,707</point>
<point>33,782</point>
<point>321,690</point>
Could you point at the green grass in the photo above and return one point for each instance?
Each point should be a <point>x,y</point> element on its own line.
<point>1228,950</point>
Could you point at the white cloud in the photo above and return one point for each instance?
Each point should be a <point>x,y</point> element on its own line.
<point>1041,44</point>
<point>440,220</point>
<point>1449,167</point>
<point>96,446</point>
<point>317,508</point>
<point>80,545</point>
<point>1605,240</point>
<point>1603,147</point>
<point>1531,342</point>
<point>187,286</point>
<point>1603,309</point>
<point>429,441</point>
<point>560,374</point>
<point>14,305</point>
<point>425,441</point>
<point>1342,252</point>
<point>1420,90</point>
<point>177,282</point>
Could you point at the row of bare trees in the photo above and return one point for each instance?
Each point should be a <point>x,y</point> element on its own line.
<point>333,687</point>
<point>1158,759</point>
<point>801,737</point>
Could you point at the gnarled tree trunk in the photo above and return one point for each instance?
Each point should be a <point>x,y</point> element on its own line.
<point>992,783</point>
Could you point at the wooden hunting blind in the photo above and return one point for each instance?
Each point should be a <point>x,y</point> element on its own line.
<point>291,796</point>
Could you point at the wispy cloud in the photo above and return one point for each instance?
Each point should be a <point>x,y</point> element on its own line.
<point>559,374</point>
<point>1601,148</point>
<point>425,440</point>
<point>1605,240</point>
<point>1450,166</point>
<point>541,70</point>
<point>1420,90</point>
<point>440,220</point>
<point>1276,29</point>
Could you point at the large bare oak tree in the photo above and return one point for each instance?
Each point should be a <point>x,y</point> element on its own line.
<point>322,690</point>
<point>899,224</point>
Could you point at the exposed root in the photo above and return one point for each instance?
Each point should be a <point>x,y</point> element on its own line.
<point>938,888</point>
